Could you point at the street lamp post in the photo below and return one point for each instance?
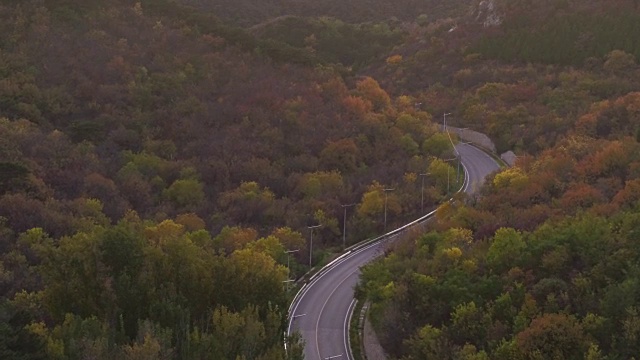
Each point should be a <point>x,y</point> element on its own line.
<point>287,282</point>
<point>444,121</point>
<point>422,194</point>
<point>447,160</point>
<point>344,225</point>
<point>385,208</point>
<point>289,267</point>
<point>311,243</point>
<point>289,252</point>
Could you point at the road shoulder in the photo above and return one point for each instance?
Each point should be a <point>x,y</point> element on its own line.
<point>372,348</point>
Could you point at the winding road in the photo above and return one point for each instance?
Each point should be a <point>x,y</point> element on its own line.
<point>321,310</point>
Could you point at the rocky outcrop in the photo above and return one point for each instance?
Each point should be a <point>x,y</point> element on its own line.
<point>509,158</point>
<point>475,137</point>
<point>488,14</point>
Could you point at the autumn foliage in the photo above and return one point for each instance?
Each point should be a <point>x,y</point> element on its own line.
<point>159,169</point>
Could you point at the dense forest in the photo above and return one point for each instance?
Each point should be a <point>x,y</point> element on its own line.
<point>249,12</point>
<point>524,82</point>
<point>157,164</point>
<point>160,165</point>
<point>543,264</point>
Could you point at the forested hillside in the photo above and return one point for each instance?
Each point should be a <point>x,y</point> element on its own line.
<point>523,82</point>
<point>543,264</point>
<point>155,166</point>
<point>160,165</point>
<point>249,12</point>
<point>550,248</point>
<point>333,41</point>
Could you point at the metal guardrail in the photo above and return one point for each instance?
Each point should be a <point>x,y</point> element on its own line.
<point>357,248</point>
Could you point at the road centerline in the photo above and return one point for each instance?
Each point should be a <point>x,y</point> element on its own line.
<point>325,304</point>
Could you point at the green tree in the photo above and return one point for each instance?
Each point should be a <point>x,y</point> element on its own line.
<point>185,193</point>
<point>290,239</point>
<point>122,253</point>
<point>73,278</point>
<point>507,250</point>
<point>372,203</point>
<point>437,145</point>
<point>468,324</point>
<point>428,343</point>
<point>271,246</point>
<point>552,336</point>
<point>328,222</point>
<point>234,238</point>
<point>619,62</point>
<point>256,279</point>
<point>320,184</point>
<point>247,203</point>
<point>17,341</point>
<point>443,174</point>
<point>153,342</point>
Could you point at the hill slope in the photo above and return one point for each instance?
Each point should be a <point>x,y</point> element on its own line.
<point>156,165</point>
<point>250,12</point>
<point>550,246</point>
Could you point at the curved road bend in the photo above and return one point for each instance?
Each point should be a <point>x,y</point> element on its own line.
<point>478,165</point>
<point>322,310</point>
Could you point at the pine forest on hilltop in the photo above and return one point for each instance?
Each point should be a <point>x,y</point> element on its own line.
<point>159,158</point>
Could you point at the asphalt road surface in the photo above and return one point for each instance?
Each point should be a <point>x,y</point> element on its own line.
<point>321,310</point>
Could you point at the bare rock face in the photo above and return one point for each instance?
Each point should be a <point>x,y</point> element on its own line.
<point>488,13</point>
<point>509,157</point>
